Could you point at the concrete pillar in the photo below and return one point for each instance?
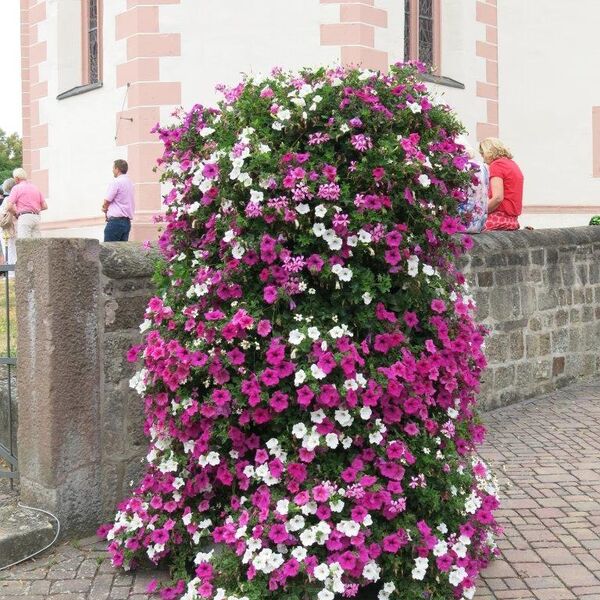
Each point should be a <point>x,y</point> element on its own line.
<point>59,375</point>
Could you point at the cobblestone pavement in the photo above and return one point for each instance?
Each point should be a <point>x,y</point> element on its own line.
<point>546,453</point>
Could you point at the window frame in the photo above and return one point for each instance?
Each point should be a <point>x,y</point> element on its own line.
<point>85,42</point>
<point>413,30</point>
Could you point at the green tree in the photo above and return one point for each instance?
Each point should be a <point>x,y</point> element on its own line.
<point>11,153</point>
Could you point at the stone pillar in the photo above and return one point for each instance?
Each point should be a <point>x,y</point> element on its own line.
<point>59,379</point>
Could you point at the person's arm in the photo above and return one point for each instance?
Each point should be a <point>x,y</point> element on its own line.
<point>497,185</point>
<point>43,203</point>
<point>110,196</point>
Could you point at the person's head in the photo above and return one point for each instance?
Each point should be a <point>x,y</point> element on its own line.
<point>120,167</point>
<point>20,174</point>
<point>8,185</point>
<point>492,149</point>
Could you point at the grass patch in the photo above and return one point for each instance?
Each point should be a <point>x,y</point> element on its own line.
<point>13,317</point>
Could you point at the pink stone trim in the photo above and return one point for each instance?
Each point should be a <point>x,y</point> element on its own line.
<point>72,223</point>
<point>355,33</point>
<point>154,93</point>
<point>140,69</point>
<point>486,13</point>
<point>33,53</point>
<point>365,57</point>
<point>487,50</point>
<point>142,19</point>
<point>544,209</point>
<point>596,141</point>
<point>140,29</point>
<point>366,2</point>
<point>360,13</point>
<point>347,34</point>
<point>148,45</point>
<point>134,3</point>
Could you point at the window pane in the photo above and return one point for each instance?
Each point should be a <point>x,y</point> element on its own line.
<point>93,56</point>
<point>426,8</point>
<point>93,14</point>
<point>426,41</point>
<point>407,30</point>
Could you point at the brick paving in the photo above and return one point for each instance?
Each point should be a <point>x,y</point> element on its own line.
<point>546,453</point>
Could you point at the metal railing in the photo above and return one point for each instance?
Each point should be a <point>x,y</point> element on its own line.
<point>7,447</point>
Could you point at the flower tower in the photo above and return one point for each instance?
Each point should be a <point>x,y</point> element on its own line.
<point>311,362</point>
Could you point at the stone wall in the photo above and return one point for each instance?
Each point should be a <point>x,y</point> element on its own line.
<point>80,434</point>
<point>126,272</point>
<point>80,304</point>
<point>538,292</point>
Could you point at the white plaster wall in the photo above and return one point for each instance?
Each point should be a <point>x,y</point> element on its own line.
<point>221,39</point>
<point>549,61</point>
<point>92,232</point>
<point>81,128</point>
<point>68,49</point>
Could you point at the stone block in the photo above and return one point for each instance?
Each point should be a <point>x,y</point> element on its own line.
<point>565,297</point>
<point>560,341</point>
<point>547,299</point>
<point>485,279</point>
<point>535,324</point>
<point>575,341</point>
<point>127,260</point>
<point>542,369</point>
<point>552,276</point>
<point>508,277</point>
<point>505,304</point>
<point>575,315</point>
<point>504,377</point>
<point>497,348</point>
<point>568,274</point>
<point>561,317</point>
<point>124,312</point>
<point>58,376</point>
<point>582,273</point>
<point>496,260</point>
<point>517,345</point>
<point>587,314</point>
<point>537,257</point>
<point>558,366</point>
<point>114,348</point>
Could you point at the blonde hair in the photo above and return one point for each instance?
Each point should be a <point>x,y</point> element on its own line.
<point>492,148</point>
<point>20,174</point>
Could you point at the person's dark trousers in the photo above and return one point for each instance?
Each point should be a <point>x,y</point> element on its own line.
<point>117,230</point>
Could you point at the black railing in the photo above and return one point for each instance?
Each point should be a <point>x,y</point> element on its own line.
<point>8,451</point>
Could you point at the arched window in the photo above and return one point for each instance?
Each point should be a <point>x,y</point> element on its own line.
<point>422,32</point>
<point>92,41</point>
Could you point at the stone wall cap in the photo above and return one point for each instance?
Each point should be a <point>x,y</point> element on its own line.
<point>494,241</point>
<point>122,260</point>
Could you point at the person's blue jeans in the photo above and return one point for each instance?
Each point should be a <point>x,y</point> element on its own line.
<point>117,230</point>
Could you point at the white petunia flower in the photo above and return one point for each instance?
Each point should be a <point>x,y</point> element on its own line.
<point>414,107</point>
<point>319,229</point>
<point>317,373</point>
<point>367,298</point>
<point>296,337</point>
<point>424,180</point>
<point>320,211</point>
<point>299,430</point>
<point>302,209</point>
<point>299,377</point>
<point>321,572</point>
<point>371,571</point>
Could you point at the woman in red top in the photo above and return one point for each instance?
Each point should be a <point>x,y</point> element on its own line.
<point>506,186</point>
